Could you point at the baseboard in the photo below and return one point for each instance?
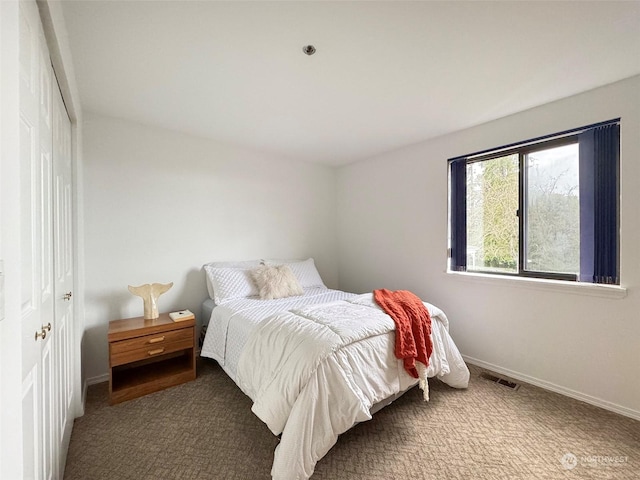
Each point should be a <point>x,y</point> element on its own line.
<point>85,386</point>
<point>99,379</point>
<point>598,402</point>
<point>83,398</point>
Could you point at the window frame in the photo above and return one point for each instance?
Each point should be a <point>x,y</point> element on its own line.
<point>522,207</point>
<point>522,149</point>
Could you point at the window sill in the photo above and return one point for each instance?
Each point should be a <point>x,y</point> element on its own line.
<point>577,288</point>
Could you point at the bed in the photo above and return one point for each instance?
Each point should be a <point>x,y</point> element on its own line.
<point>314,364</point>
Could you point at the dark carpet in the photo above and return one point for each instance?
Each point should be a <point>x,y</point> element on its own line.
<point>205,430</point>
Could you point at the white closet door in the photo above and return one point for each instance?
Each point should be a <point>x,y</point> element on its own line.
<point>63,267</point>
<point>39,399</point>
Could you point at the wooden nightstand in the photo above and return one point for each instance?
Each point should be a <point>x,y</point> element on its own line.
<point>149,355</point>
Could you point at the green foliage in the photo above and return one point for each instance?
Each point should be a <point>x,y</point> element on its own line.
<point>492,204</point>
<point>553,230</point>
<point>553,242</point>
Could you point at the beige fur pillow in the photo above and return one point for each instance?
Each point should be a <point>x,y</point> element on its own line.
<point>276,281</point>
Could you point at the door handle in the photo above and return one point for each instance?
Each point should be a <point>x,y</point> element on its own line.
<point>67,296</point>
<point>47,326</point>
<point>41,334</point>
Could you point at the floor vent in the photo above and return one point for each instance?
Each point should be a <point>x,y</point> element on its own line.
<point>500,381</point>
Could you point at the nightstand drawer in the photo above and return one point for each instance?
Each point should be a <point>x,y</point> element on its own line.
<point>151,341</point>
<point>150,346</point>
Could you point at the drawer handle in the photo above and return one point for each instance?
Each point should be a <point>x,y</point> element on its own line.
<point>156,351</point>
<point>157,339</point>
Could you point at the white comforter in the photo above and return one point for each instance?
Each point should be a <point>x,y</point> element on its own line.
<point>315,371</point>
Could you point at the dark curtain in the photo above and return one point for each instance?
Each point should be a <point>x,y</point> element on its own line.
<point>459,215</point>
<point>599,204</point>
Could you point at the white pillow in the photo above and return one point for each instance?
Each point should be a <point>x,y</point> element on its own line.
<point>228,283</point>
<point>276,281</point>
<point>306,273</point>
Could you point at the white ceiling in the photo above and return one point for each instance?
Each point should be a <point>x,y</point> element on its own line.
<point>385,75</point>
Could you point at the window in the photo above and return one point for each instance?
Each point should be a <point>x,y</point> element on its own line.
<point>545,208</point>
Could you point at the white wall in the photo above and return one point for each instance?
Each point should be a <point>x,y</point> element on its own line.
<point>159,204</point>
<point>392,233</point>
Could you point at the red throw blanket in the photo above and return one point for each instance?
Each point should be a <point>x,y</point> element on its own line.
<point>413,326</point>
